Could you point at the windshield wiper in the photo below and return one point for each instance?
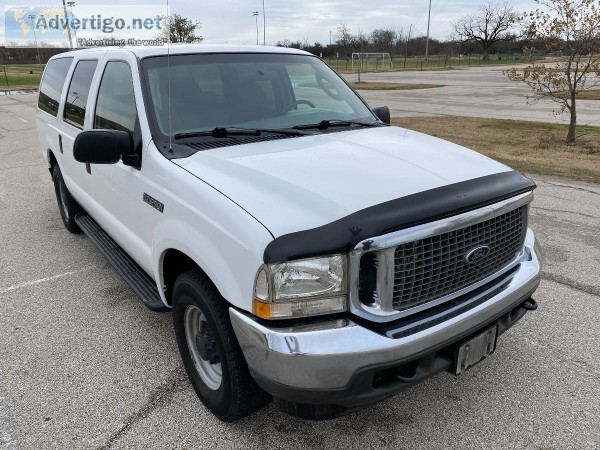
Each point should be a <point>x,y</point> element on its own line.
<point>223,132</point>
<point>325,124</point>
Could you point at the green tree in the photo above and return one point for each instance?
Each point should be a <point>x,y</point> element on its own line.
<point>176,28</point>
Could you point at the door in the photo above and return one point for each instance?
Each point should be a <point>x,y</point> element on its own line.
<point>120,188</point>
<point>71,122</point>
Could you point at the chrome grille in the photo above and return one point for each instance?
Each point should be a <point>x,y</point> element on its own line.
<point>436,266</point>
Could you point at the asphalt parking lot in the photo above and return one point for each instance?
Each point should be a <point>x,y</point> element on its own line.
<point>470,92</point>
<point>83,364</point>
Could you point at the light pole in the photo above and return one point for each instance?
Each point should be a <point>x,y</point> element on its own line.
<point>330,47</point>
<point>407,42</point>
<point>70,5</point>
<point>37,49</point>
<point>264,26</point>
<point>68,26</point>
<point>428,24</point>
<point>459,50</point>
<point>255,14</point>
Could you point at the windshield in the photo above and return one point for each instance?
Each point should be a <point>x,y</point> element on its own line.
<point>195,93</point>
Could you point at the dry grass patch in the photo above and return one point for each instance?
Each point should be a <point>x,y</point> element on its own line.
<point>592,94</point>
<point>527,146</point>
<point>589,95</point>
<point>368,86</point>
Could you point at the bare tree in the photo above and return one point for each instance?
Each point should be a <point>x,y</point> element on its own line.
<point>491,24</point>
<point>290,44</point>
<point>176,28</point>
<point>345,39</point>
<point>570,29</point>
<point>360,42</point>
<point>384,39</point>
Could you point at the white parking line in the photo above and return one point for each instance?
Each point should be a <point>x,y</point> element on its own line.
<point>14,115</point>
<point>5,438</point>
<point>42,280</point>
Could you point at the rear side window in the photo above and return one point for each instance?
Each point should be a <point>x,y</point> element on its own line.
<point>52,84</point>
<point>115,107</point>
<point>79,89</point>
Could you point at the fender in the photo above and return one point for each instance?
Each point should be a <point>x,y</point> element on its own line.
<point>231,268</point>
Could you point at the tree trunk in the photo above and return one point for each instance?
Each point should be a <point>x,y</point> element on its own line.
<point>573,122</point>
<point>486,51</point>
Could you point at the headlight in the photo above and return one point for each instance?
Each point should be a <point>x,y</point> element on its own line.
<point>308,287</point>
<point>308,278</point>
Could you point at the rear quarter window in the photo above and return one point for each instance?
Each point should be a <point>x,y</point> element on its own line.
<point>52,84</point>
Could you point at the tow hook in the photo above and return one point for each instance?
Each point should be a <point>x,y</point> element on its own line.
<point>530,304</point>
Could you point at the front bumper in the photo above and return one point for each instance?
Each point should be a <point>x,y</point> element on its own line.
<point>345,364</point>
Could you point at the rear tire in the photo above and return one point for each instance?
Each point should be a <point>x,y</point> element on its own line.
<point>67,205</point>
<point>210,350</point>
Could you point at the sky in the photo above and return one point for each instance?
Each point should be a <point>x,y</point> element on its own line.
<point>231,21</point>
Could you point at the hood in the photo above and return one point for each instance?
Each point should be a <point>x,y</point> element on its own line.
<point>305,182</point>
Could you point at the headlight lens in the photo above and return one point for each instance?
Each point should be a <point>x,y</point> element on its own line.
<point>308,278</point>
<point>302,288</point>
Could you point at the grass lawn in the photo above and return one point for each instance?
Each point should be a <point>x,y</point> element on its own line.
<point>19,76</point>
<point>368,86</point>
<point>414,63</point>
<point>592,94</point>
<point>533,147</point>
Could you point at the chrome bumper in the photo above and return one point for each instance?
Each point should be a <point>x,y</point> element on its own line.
<point>326,356</point>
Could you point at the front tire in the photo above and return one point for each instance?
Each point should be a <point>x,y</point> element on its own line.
<point>210,351</point>
<point>67,205</point>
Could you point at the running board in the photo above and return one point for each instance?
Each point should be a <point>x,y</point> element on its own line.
<point>138,280</point>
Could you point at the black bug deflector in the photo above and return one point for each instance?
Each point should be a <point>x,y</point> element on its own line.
<point>342,235</point>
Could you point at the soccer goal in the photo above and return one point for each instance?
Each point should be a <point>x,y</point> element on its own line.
<point>366,61</point>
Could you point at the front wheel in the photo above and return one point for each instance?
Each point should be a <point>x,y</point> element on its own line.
<point>210,351</point>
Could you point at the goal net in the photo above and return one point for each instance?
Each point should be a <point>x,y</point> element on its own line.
<point>370,61</point>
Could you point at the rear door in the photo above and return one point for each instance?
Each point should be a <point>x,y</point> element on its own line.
<point>71,122</point>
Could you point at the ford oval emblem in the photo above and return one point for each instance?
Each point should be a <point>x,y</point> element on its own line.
<point>477,254</point>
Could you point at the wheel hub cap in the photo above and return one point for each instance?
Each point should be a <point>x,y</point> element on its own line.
<point>203,347</point>
<point>206,346</point>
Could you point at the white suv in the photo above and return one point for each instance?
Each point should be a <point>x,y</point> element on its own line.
<point>308,250</point>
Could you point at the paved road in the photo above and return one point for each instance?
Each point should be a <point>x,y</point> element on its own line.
<point>472,92</point>
<point>84,365</point>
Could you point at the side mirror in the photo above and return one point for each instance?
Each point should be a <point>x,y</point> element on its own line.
<point>102,146</point>
<point>383,113</point>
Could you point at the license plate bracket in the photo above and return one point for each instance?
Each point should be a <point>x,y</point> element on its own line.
<point>475,350</point>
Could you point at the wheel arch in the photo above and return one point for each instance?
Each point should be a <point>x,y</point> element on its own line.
<point>172,264</point>
<point>228,258</point>
<point>51,161</point>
